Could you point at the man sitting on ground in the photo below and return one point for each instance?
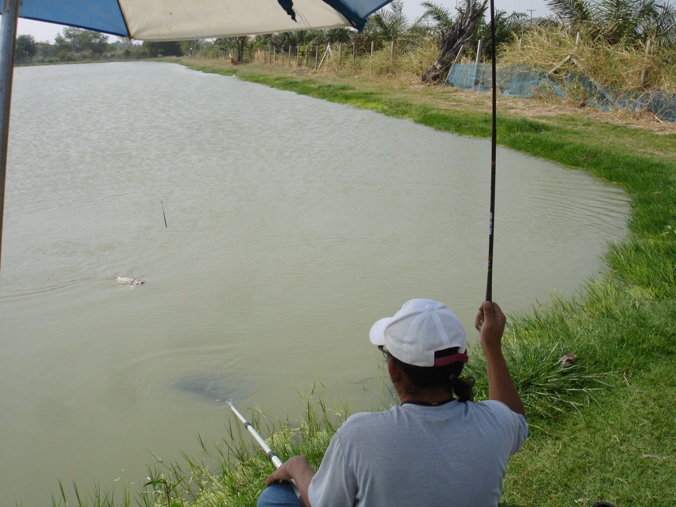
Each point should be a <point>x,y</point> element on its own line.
<point>438,447</point>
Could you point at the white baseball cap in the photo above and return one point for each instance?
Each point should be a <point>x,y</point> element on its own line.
<point>418,330</point>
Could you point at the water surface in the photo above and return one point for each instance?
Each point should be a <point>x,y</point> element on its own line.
<point>291,226</point>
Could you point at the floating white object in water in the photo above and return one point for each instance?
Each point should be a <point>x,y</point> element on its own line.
<point>128,280</point>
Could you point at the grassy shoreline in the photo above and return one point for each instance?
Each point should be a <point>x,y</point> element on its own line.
<point>602,426</point>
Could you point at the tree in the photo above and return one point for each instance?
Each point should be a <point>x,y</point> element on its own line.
<point>81,42</point>
<point>571,12</point>
<point>26,48</point>
<point>507,27</point>
<point>390,24</point>
<point>631,21</point>
<point>168,48</point>
<point>453,34</point>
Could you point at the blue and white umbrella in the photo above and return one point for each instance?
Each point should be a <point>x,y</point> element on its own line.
<point>199,19</point>
<point>157,20</point>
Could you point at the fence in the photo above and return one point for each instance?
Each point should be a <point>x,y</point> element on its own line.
<point>310,56</point>
<point>522,81</point>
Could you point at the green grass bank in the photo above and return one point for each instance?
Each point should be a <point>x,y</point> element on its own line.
<point>602,423</point>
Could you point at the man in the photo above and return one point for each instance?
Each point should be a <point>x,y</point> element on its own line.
<point>437,448</point>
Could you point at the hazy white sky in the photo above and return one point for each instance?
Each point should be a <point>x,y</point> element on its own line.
<point>412,8</point>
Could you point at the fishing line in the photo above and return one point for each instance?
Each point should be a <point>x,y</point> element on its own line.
<point>491,224</point>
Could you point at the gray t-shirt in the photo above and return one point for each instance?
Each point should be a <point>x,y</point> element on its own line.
<point>453,455</point>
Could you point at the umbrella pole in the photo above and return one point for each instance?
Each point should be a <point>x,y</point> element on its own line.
<point>10,14</point>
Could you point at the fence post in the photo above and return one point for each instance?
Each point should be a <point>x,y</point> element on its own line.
<point>391,55</point>
<point>372,43</point>
<point>476,65</point>
<point>644,72</point>
<point>316,56</point>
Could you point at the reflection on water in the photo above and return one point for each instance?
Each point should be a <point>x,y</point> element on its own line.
<point>291,226</point>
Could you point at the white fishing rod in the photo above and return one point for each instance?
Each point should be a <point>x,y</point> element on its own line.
<point>259,440</point>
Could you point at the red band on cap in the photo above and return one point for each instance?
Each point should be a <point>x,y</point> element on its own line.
<point>455,358</point>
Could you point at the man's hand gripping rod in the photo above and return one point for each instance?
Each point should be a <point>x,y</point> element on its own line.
<point>259,440</point>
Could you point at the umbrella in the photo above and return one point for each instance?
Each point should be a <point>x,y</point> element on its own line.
<point>158,20</point>
<point>199,19</point>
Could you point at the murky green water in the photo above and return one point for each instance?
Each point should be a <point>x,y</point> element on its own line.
<point>292,225</point>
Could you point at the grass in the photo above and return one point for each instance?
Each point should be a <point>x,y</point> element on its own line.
<point>625,65</point>
<point>602,422</point>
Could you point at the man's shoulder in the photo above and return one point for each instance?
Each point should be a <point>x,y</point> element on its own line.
<point>503,416</point>
<point>369,417</point>
<point>494,406</point>
<point>362,420</point>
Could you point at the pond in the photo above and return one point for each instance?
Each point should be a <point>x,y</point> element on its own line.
<point>271,230</point>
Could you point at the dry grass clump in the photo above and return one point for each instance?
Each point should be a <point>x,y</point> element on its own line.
<point>403,64</point>
<point>614,66</point>
<point>399,68</point>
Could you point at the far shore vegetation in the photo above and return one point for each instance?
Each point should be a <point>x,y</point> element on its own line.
<point>597,371</point>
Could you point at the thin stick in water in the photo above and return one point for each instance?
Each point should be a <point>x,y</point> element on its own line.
<point>164,215</point>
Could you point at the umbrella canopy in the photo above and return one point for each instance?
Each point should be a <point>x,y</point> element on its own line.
<point>200,19</point>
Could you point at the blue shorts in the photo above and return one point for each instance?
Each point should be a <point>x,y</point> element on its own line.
<point>278,495</point>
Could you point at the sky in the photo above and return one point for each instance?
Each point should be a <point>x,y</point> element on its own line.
<point>47,31</point>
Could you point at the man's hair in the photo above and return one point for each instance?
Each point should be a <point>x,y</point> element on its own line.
<point>422,377</point>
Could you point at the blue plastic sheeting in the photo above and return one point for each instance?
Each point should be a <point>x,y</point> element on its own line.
<point>523,81</point>
<point>194,19</point>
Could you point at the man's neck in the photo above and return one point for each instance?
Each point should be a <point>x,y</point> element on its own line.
<point>429,397</point>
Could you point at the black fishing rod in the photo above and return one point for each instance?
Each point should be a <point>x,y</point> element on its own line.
<point>494,130</point>
<point>259,440</point>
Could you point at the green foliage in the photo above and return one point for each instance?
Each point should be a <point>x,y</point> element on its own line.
<point>167,48</point>
<point>507,28</point>
<point>74,45</point>
<point>81,43</point>
<point>26,48</point>
<point>390,23</point>
<point>440,17</point>
<point>620,20</point>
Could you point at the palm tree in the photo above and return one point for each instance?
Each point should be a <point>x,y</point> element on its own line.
<point>390,24</point>
<point>453,34</point>
<point>571,12</point>
<point>620,20</point>
<point>507,28</point>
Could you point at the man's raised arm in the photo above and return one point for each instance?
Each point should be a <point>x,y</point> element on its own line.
<point>490,322</point>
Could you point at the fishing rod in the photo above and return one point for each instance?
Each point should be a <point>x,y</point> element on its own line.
<point>491,225</point>
<point>259,440</point>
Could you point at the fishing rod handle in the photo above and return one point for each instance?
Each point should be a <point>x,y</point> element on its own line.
<point>259,440</point>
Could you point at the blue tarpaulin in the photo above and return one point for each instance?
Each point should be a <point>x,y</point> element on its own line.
<point>524,81</point>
